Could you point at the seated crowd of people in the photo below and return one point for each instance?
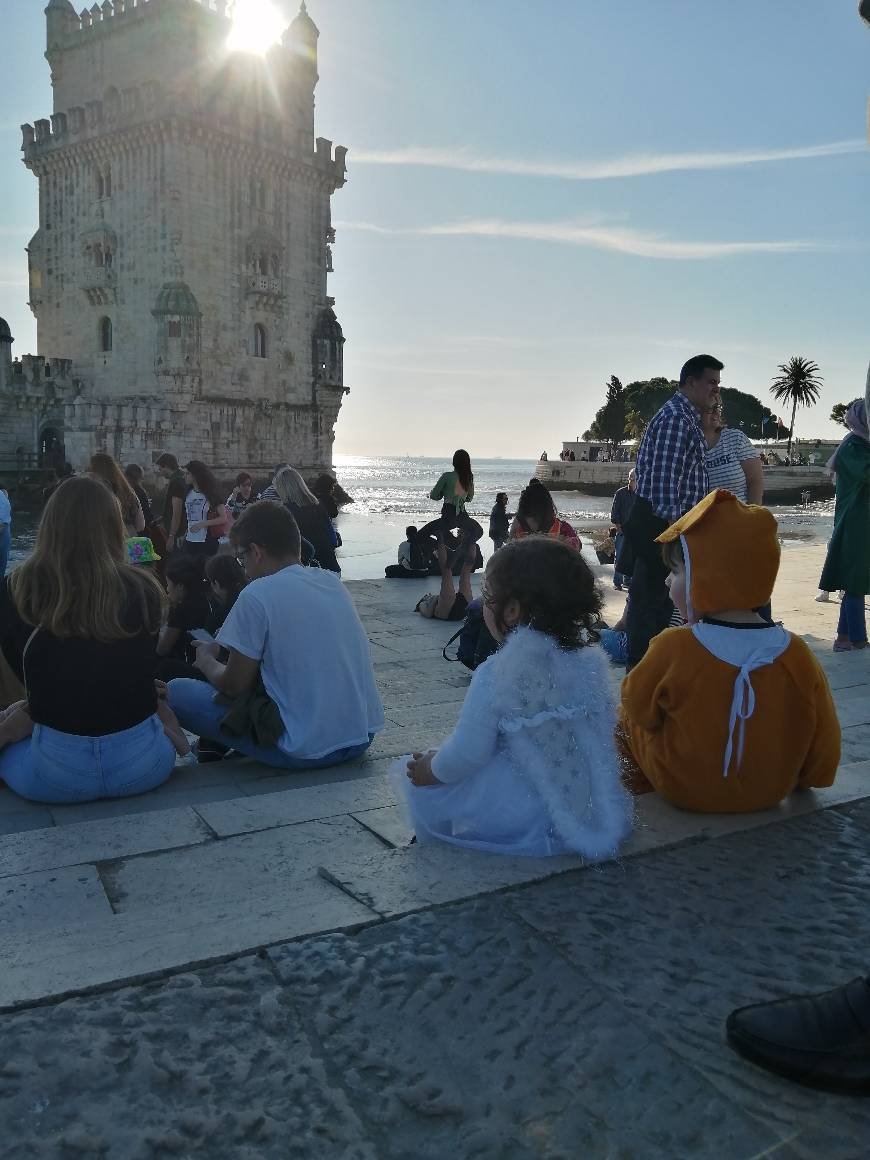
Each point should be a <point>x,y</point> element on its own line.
<point>728,712</point>
<point>109,650</point>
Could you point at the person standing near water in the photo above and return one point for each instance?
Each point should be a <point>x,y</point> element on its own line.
<point>671,478</point>
<point>499,521</point>
<point>455,489</point>
<point>5,530</point>
<point>848,562</point>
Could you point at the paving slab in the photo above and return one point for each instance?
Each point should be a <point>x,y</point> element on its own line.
<point>399,881</point>
<point>274,862</point>
<point>80,957</point>
<point>32,901</point>
<point>246,815</point>
<point>15,823</point>
<point>157,800</point>
<point>682,936</point>
<point>216,1064</point>
<point>100,841</point>
<point>463,1033</point>
<point>389,823</point>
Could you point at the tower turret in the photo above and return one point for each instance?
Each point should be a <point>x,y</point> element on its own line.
<point>301,39</point>
<point>61,22</point>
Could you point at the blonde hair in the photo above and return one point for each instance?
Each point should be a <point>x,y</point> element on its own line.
<point>77,582</point>
<point>292,488</point>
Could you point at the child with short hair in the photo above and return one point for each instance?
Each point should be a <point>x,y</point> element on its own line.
<point>531,766</point>
<point>728,713</point>
<point>226,578</point>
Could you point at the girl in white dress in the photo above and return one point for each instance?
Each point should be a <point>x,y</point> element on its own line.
<point>531,766</point>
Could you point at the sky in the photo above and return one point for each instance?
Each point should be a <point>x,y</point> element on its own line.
<point>541,195</point>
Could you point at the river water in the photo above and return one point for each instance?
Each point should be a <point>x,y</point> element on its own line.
<point>391,492</point>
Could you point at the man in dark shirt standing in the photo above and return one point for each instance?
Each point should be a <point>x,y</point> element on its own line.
<point>174,523</point>
<point>623,502</point>
<point>671,478</point>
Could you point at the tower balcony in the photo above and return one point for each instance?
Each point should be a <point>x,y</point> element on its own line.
<point>99,283</point>
<point>267,290</point>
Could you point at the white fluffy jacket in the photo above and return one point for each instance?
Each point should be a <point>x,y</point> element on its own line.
<point>531,766</point>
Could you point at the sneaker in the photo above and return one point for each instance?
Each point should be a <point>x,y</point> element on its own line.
<point>207,751</point>
<point>823,597</point>
<point>821,1041</point>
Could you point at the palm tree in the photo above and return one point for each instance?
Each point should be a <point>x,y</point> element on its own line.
<point>799,384</point>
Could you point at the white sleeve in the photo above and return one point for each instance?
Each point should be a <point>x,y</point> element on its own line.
<point>247,627</point>
<point>472,743</point>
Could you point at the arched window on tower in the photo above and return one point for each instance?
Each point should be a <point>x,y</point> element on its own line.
<point>259,340</point>
<point>107,182</point>
<point>101,185</point>
<point>105,334</point>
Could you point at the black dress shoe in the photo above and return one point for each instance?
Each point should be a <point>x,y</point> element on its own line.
<point>822,1041</point>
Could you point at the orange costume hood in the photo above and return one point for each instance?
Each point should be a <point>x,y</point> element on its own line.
<point>731,553</point>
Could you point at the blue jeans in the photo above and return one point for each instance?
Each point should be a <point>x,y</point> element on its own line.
<point>852,622</point>
<point>195,707</point>
<point>5,545</point>
<point>62,768</point>
<point>620,580</point>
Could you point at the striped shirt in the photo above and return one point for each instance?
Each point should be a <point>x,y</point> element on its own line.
<point>724,460</point>
<point>670,469</point>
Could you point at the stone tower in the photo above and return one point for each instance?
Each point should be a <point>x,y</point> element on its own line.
<point>184,240</point>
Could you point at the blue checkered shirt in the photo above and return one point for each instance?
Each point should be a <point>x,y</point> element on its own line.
<point>671,471</point>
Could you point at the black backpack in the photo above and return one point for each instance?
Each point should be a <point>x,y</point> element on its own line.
<point>475,642</point>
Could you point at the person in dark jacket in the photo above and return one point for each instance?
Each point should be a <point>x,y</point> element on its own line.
<point>499,521</point>
<point>309,513</point>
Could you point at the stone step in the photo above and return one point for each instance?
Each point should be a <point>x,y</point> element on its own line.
<point>213,893</point>
<point>407,878</point>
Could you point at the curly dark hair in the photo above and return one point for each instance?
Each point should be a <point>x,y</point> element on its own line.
<point>553,585</point>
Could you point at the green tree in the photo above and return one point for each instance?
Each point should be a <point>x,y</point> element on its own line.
<point>838,413</point>
<point>609,422</point>
<point>798,384</point>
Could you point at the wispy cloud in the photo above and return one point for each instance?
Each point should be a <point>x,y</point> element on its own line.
<point>631,165</point>
<point>614,238</point>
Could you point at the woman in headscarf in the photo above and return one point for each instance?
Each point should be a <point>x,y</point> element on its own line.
<point>847,566</point>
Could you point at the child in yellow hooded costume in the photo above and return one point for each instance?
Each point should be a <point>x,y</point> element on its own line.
<point>728,713</point>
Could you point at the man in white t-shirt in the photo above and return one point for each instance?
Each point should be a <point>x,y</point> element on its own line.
<point>298,629</point>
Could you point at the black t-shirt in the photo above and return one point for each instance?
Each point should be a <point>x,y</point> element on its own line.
<point>314,525</point>
<point>176,488</point>
<point>81,686</point>
<point>193,612</point>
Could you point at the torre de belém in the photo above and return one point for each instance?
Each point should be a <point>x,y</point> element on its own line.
<point>179,273</point>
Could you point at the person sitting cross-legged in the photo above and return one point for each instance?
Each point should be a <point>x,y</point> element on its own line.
<point>295,629</point>
<point>728,713</point>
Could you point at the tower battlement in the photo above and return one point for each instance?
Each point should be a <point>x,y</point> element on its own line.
<point>150,106</point>
<point>66,27</point>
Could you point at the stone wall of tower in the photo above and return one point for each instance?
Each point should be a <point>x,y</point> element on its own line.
<point>167,163</point>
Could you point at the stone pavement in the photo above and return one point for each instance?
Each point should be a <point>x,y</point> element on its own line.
<point>228,859</point>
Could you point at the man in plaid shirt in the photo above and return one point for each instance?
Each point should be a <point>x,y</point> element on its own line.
<point>671,479</point>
